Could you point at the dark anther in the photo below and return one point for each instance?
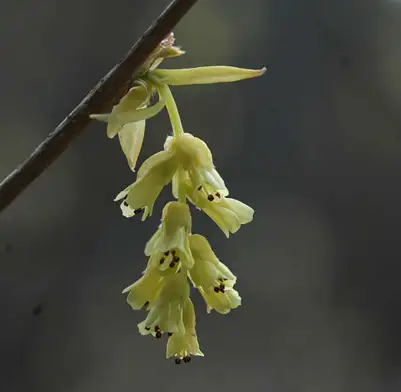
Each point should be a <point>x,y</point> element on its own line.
<point>147,328</point>
<point>218,194</point>
<point>162,260</point>
<point>210,197</point>
<point>187,359</point>
<point>217,289</point>
<point>199,188</point>
<point>221,279</point>
<point>222,287</point>
<point>170,334</point>
<point>157,328</point>
<point>166,253</point>
<point>137,211</point>
<point>146,304</point>
<point>158,335</point>
<point>125,203</point>
<point>172,264</point>
<point>173,252</point>
<point>177,361</point>
<point>176,259</point>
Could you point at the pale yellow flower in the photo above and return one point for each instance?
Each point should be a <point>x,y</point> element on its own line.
<point>156,172</point>
<point>166,315</point>
<point>213,279</point>
<point>182,345</point>
<point>145,290</point>
<point>229,214</point>
<point>196,160</point>
<point>172,237</point>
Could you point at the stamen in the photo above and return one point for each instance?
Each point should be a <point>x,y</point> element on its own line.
<point>157,328</point>
<point>217,289</point>
<point>218,195</point>
<point>210,197</point>
<point>172,264</point>
<point>199,187</point>
<point>158,335</point>
<point>187,359</point>
<point>177,361</point>
<point>170,334</point>
<point>138,210</point>
<point>166,253</point>
<point>147,328</point>
<point>125,203</point>
<point>173,252</point>
<point>176,259</point>
<point>162,260</point>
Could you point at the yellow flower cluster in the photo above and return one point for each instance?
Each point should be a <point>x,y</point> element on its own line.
<point>176,255</point>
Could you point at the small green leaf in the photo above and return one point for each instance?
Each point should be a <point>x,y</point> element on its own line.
<point>204,75</point>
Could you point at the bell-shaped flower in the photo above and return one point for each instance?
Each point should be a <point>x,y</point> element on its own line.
<point>196,160</point>
<point>156,172</point>
<point>166,315</point>
<point>229,214</point>
<point>203,75</point>
<point>145,290</point>
<point>182,345</point>
<point>213,279</point>
<point>172,237</point>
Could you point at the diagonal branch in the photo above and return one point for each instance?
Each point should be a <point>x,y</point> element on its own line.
<point>107,91</point>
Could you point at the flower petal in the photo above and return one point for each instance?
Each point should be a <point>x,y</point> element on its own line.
<point>144,291</point>
<point>135,98</point>
<point>222,303</point>
<point>243,211</point>
<point>131,139</point>
<point>143,113</point>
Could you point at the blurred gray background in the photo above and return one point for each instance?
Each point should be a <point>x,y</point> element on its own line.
<point>314,146</point>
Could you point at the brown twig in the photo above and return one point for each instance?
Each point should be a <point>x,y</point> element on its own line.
<point>107,91</point>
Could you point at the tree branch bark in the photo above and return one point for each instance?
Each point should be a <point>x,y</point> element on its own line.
<point>107,91</point>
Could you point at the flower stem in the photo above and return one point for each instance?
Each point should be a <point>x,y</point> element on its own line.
<point>173,113</point>
<point>182,194</point>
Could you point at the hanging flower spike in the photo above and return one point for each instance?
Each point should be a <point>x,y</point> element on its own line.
<point>156,172</point>
<point>212,278</point>
<point>172,236</point>
<point>183,345</point>
<point>167,313</point>
<point>175,256</point>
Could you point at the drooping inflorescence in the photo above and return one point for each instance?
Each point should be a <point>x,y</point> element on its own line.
<point>176,256</point>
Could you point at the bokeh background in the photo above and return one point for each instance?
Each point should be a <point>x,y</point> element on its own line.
<point>314,146</point>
